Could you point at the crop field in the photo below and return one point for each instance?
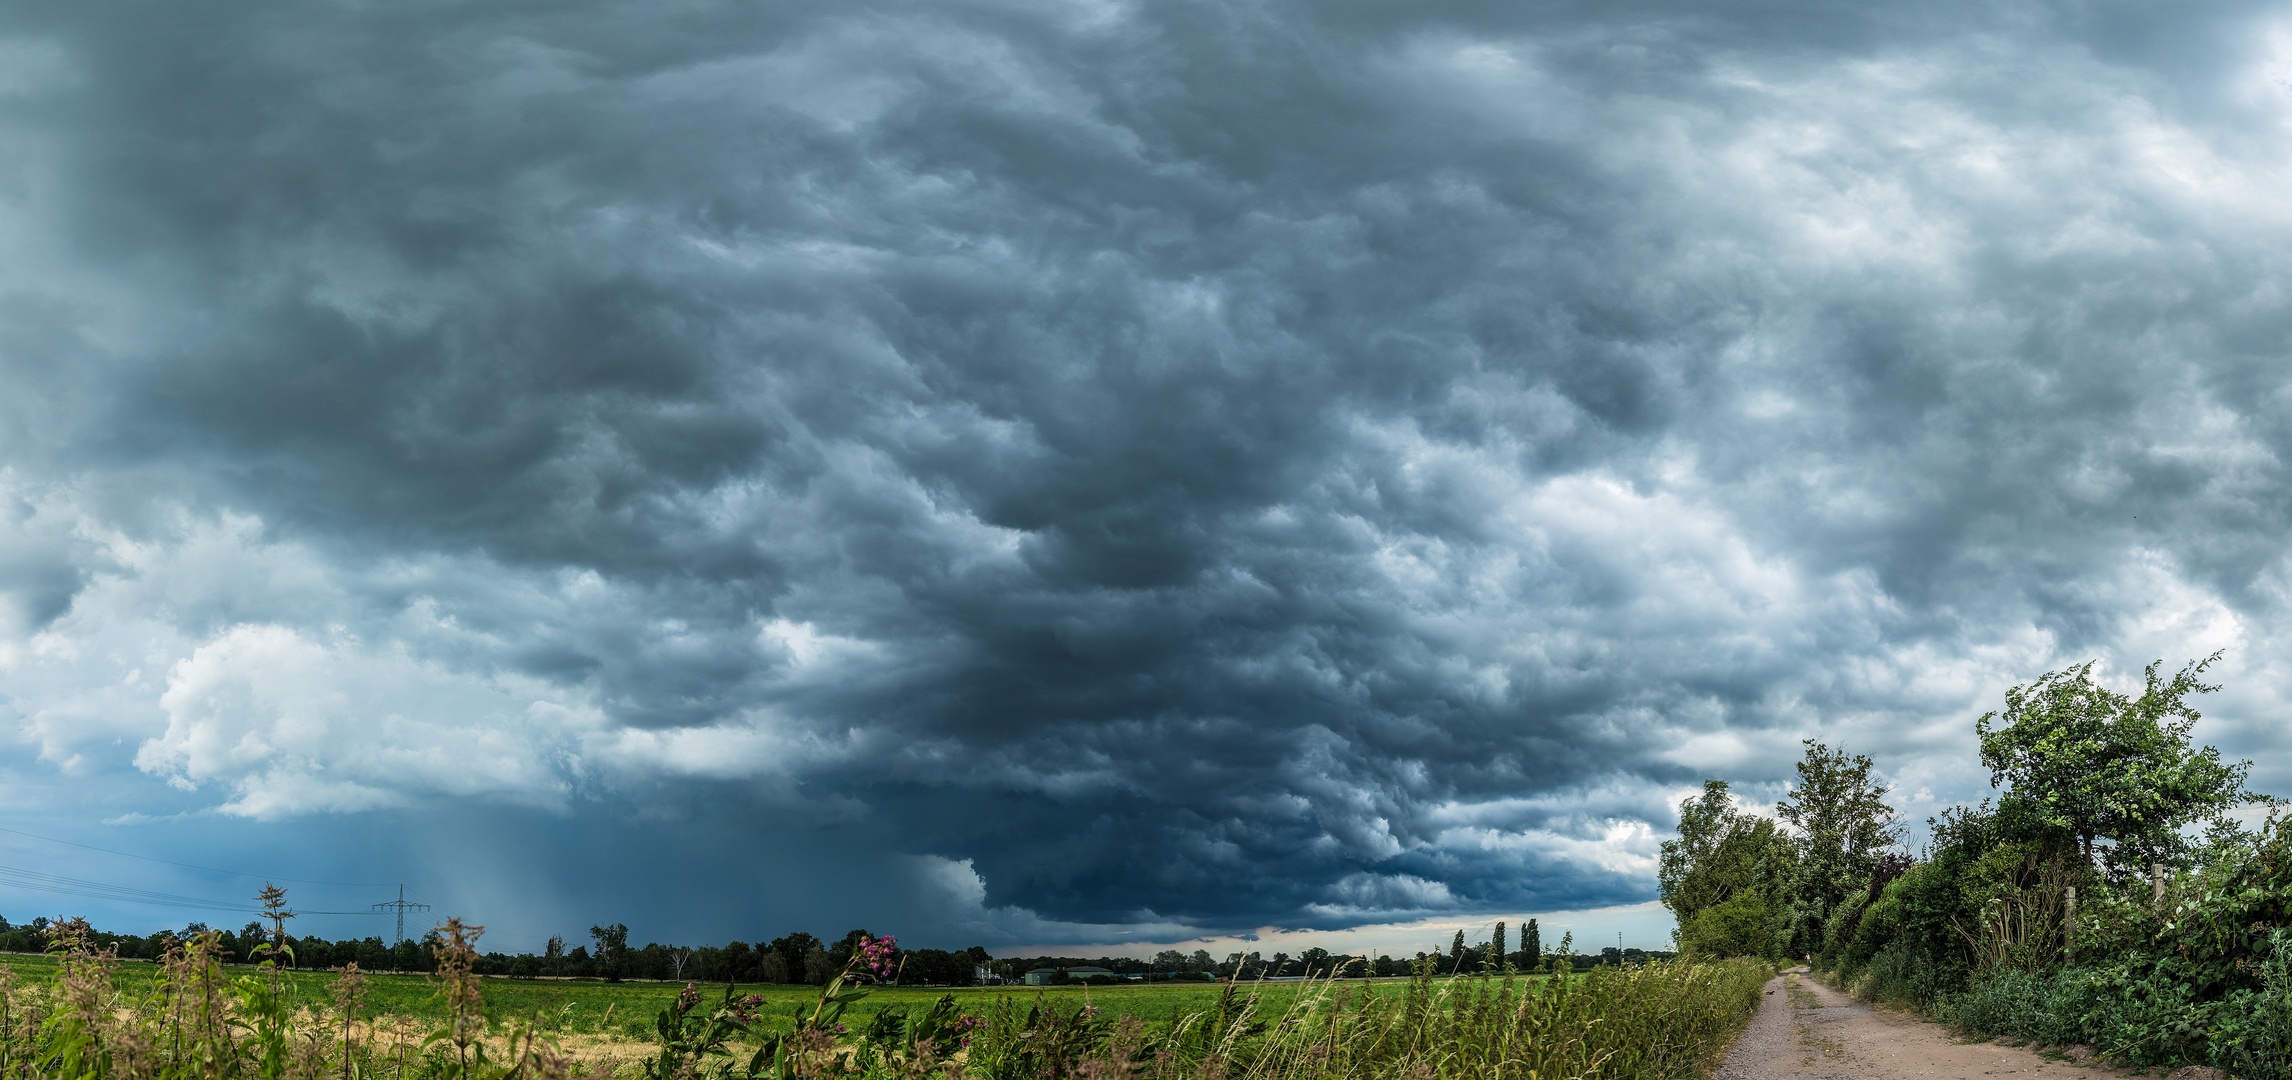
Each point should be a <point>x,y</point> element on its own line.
<point>626,1009</point>
<point>191,1018</point>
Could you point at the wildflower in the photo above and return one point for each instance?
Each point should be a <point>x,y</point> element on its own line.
<point>964,1026</point>
<point>878,953</point>
<point>689,998</point>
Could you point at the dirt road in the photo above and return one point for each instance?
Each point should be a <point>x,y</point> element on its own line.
<point>1807,1030</point>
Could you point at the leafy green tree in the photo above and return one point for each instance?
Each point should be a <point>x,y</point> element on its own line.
<point>1842,828</point>
<point>612,950</point>
<point>1842,818</point>
<point>1715,855</point>
<point>1723,856</point>
<point>2103,766</point>
<point>818,968</point>
<point>1683,878</point>
<point>792,951</point>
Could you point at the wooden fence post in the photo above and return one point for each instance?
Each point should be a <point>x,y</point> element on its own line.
<point>2157,879</point>
<point>2069,934</point>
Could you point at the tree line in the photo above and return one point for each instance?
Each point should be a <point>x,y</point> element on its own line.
<point>794,958</point>
<point>1462,957</point>
<point>802,958</point>
<point>2109,895</point>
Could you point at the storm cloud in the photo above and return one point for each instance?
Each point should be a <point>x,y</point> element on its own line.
<point>1040,467</point>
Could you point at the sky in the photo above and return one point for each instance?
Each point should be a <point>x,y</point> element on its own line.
<point>1068,474</point>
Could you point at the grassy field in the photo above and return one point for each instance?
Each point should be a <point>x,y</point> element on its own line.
<point>96,1020</point>
<point>626,1010</point>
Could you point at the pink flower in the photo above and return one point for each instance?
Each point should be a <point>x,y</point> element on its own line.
<point>877,953</point>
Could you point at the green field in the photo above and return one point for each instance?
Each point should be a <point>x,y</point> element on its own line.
<point>1662,1021</point>
<point>626,1010</point>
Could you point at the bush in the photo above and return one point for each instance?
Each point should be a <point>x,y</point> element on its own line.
<point>1902,974</point>
<point>1735,928</point>
<point>1838,930</point>
<point>2253,1036</point>
<point>2155,1019</point>
<point>2047,1008</point>
<point>2008,1004</point>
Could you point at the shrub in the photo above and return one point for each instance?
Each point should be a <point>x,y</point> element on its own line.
<point>2008,1004</point>
<point>2047,1008</point>
<point>2253,1037</point>
<point>1737,927</point>
<point>2151,1018</point>
<point>1838,930</point>
<point>1900,973</point>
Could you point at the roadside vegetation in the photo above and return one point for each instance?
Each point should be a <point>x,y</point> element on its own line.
<point>2108,897</point>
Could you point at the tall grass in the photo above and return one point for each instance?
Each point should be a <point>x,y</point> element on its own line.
<point>1654,1021</point>
<point>195,1021</point>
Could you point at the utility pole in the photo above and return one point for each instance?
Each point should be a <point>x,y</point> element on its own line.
<point>401,905</point>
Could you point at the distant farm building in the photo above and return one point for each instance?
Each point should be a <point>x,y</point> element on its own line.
<point>1042,976</point>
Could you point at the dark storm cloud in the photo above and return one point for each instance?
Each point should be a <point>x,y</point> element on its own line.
<point>1208,463</point>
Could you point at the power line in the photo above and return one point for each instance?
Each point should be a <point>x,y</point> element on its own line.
<point>42,881</point>
<point>209,869</point>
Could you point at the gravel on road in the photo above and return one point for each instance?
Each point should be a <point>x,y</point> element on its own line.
<point>1805,1030</point>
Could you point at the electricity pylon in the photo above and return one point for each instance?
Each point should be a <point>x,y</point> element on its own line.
<point>401,905</point>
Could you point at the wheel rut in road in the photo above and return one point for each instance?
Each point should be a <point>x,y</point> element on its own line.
<point>1807,1031</point>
